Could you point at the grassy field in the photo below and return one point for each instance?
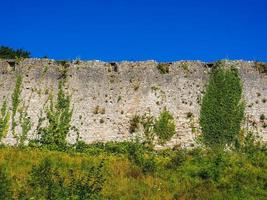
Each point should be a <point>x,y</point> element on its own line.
<point>131,171</point>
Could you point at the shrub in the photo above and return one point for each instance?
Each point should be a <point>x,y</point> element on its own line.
<point>163,68</point>
<point>178,159</point>
<point>222,108</point>
<point>4,120</point>
<point>48,182</point>
<point>5,184</point>
<point>143,159</point>
<point>164,126</point>
<point>9,53</point>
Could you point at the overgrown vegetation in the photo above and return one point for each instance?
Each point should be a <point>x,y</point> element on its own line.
<point>164,126</point>
<point>16,100</point>
<point>133,171</point>
<point>222,109</point>
<point>9,53</point>
<point>4,120</point>
<point>58,118</point>
<point>49,168</point>
<point>163,68</point>
<point>261,67</point>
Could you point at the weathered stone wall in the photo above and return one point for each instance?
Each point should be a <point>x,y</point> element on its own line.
<point>106,96</point>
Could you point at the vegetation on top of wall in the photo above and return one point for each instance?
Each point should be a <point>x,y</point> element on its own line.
<point>222,109</point>
<point>9,53</point>
<point>163,68</point>
<point>261,67</point>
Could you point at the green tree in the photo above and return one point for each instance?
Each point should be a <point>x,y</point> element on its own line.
<point>222,109</point>
<point>9,53</point>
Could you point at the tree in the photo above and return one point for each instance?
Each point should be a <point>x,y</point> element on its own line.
<point>9,53</point>
<point>222,109</point>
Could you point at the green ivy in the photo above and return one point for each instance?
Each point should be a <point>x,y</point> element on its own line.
<point>58,116</point>
<point>4,120</point>
<point>222,108</point>
<point>16,99</point>
<point>164,126</point>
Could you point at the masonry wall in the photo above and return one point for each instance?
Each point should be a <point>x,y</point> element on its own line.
<point>106,96</point>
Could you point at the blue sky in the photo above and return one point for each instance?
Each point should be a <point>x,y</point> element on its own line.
<point>115,30</point>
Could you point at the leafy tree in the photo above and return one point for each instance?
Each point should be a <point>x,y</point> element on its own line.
<point>9,53</point>
<point>222,108</point>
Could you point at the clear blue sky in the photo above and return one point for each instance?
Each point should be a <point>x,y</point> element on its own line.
<point>163,30</point>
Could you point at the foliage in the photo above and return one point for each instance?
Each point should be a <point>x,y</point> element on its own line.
<point>16,99</point>
<point>163,68</point>
<point>4,120</point>
<point>141,158</point>
<point>26,126</point>
<point>59,118</point>
<point>9,53</point>
<point>164,126</point>
<point>5,184</point>
<point>48,182</point>
<point>261,67</point>
<point>133,171</point>
<point>222,108</point>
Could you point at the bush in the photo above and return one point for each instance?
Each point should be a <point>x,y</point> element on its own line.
<point>163,68</point>
<point>9,53</point>
<point>164,126</point>
<point>49,182</point>
<point>5,184</point>
<point>222,108</point>
<point>142,158</point>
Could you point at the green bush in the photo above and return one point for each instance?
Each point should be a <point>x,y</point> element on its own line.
<point>163,68</point>
<point>222,108</point>
<point>5,184</point>
<point>9,53</point>
<point>49,182</point>
<point>164,126</point>
<point>142,158</point>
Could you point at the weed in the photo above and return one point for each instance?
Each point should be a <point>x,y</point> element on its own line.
<point>4,120</point>
<point>163,68</point>
<point>164,126</point>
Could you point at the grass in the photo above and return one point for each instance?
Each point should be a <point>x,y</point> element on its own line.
<point>177,174</point>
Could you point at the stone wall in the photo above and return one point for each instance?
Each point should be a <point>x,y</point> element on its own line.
<point>106,96</point>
